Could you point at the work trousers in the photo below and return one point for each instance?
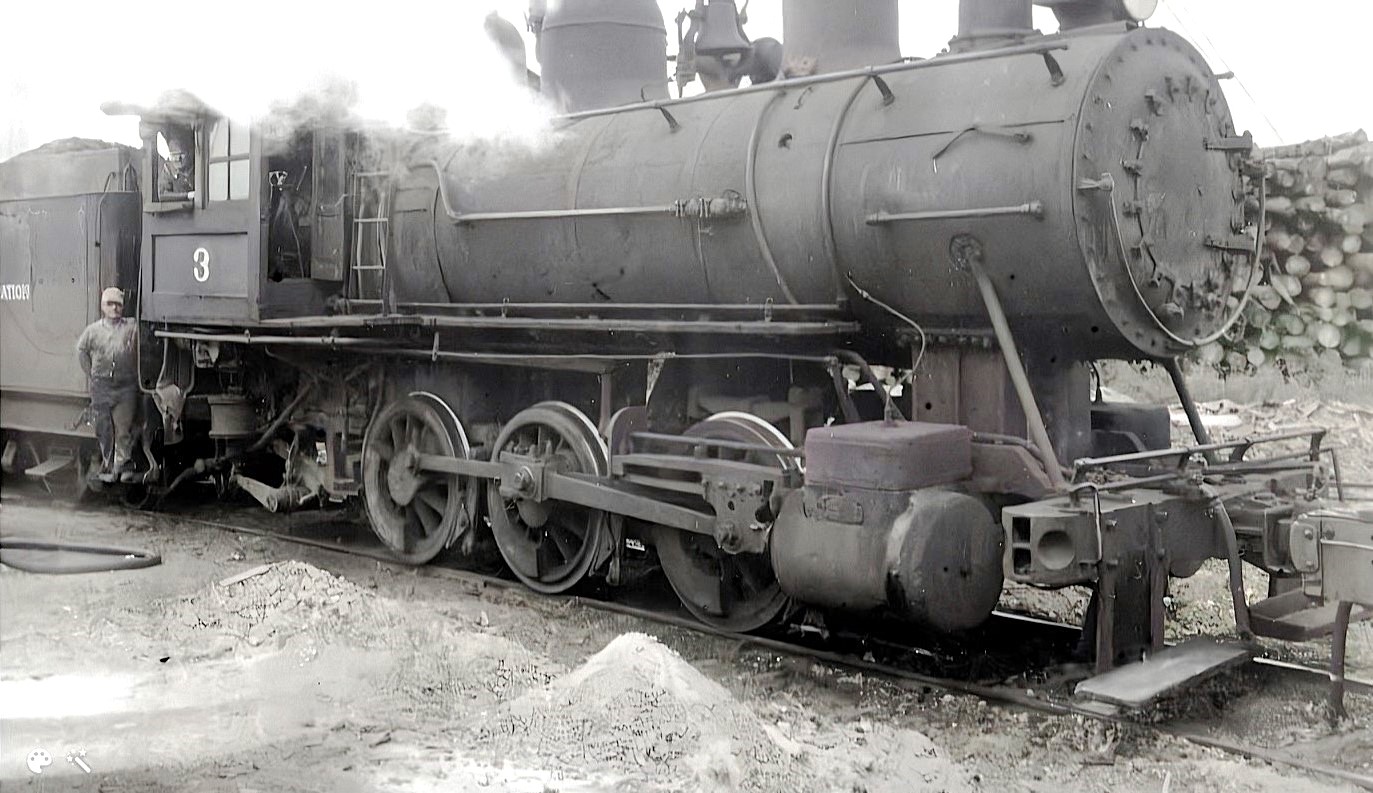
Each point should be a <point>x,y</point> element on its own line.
<point>113,405</point>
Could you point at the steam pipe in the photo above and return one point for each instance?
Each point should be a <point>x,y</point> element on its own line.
<point>553,214</point>
<point>1189,406</point>
<point>725,207</point>
<point>890,412</point>
<point>1232,554</point>
<point>827,178</point>
<point>1034,209</point>
<point>1337,657</point>
<point>1006,341</point>
<point>751,196</point>
<point>602,308</point>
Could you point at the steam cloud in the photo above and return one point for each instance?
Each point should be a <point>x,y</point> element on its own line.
<point>243,58</point>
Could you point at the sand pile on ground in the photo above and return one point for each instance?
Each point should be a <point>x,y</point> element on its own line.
<point>275,602</point>
<point>637,708</point>
<point>638,712</point>
<point>442,671</point>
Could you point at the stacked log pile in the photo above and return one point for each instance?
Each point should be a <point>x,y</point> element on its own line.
<point>1318,253</point>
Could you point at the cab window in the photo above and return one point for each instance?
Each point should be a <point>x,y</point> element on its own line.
<point>228,161</point>
<point>174,163</point>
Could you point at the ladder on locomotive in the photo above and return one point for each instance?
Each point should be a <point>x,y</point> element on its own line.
<point>371,192</point>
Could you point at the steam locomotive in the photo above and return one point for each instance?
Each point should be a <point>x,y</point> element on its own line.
<point>821,339</point>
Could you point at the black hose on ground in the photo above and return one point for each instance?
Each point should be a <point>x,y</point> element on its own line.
<point>63,558</point>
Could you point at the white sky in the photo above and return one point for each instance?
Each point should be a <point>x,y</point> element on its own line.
<point>1303,67</point>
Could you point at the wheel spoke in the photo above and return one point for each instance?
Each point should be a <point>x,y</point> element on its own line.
<point>729,591</point>
<point>572,520</point>
<point>422,523</point>
<point>427,514</point>
<point>568,543</point>
<point>433,499</point>
<point>750,579</point>
<point>545,560</point>
<point>397,429</point>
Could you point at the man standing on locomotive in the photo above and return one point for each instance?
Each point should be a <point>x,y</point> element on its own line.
<point>107,352</point>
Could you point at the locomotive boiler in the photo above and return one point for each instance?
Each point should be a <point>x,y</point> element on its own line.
<point>1099,175</point>
<point>660,335</point>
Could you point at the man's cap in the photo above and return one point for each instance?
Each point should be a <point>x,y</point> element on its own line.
<point>112,294</point>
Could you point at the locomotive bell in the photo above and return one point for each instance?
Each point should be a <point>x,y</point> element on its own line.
<point>721,34</point>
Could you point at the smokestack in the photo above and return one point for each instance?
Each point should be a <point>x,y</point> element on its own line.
<point>600,53</point>
<point>984,23</point>
<point>828,36</point>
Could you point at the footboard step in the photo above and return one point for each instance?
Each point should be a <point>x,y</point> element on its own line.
<point>51,466</point>
<point>1139,684</point>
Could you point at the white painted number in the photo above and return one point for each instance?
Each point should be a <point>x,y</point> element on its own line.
<point>201,271</point>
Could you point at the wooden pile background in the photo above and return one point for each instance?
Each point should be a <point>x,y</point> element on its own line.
<point>1318,251</point>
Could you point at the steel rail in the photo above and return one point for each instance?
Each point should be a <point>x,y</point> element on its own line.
<point>1353,685</point>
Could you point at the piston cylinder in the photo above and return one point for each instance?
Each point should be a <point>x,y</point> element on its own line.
<point>929,556</point>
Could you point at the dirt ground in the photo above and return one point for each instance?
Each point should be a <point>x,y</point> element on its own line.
<point>336,673</point>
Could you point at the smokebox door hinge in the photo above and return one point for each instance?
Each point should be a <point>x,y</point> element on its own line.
<point>1243,143</point>
<point>1237,243</point>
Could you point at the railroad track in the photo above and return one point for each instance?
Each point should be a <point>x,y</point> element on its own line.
<point>900,675</point>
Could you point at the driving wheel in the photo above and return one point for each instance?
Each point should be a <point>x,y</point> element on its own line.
<point>416,513</point>
<point>550,545</point>
<point>732,592</point>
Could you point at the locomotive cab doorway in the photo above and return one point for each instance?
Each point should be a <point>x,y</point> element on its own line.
<point>227,233</point>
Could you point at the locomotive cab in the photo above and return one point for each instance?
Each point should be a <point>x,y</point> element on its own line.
<point>228,229</point>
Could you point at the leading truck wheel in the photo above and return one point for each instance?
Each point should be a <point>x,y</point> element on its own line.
<point>415,513</point>
<point>550,545</point>
<point>731,592</point>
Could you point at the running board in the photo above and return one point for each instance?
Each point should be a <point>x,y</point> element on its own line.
<point>1139,684</point>
<point>50,466</point>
